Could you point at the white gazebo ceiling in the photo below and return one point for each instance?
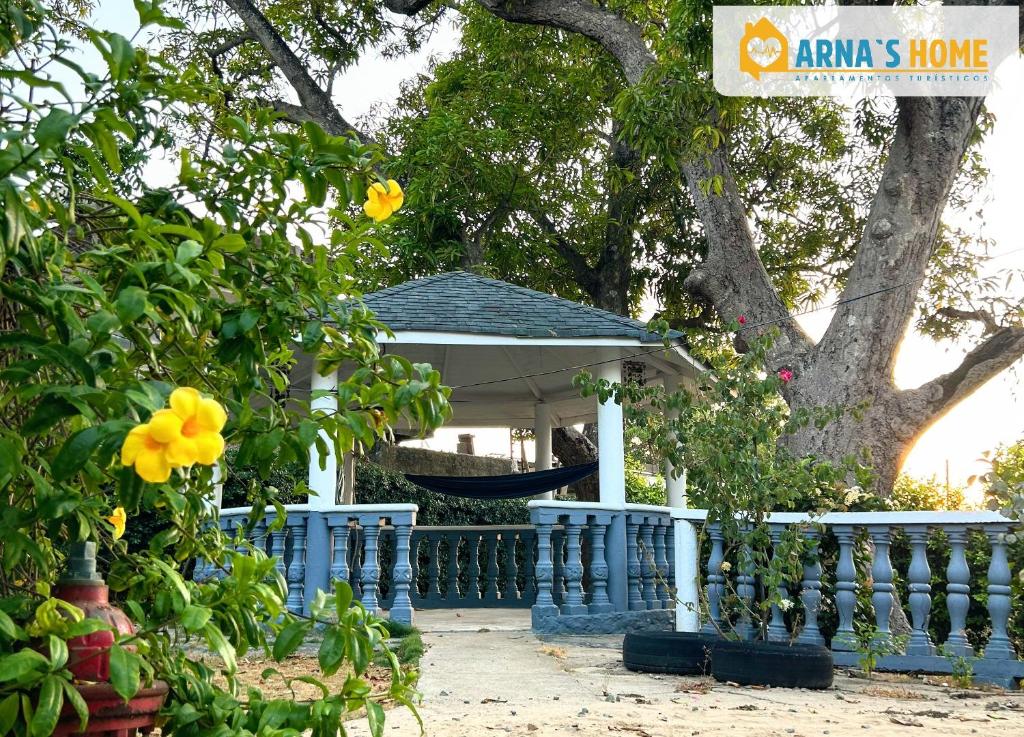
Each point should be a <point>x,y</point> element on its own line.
<point>504,348</point>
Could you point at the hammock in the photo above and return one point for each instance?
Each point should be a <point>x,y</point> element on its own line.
<point>509,486</point>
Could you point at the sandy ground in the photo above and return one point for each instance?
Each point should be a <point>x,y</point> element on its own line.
<point>488,675</point>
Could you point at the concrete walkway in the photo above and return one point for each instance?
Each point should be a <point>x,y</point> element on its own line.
<point>485,673</point>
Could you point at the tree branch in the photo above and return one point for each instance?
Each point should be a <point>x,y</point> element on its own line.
<point>317,104</point>
<point>585,274</point>
<point>997,352</point>
<point>987,319</point>
<point>619,37</point>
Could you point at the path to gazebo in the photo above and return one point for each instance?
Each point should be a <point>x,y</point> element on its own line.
<point>485,673</point>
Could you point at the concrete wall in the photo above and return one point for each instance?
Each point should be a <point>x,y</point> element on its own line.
<point>436,463</point>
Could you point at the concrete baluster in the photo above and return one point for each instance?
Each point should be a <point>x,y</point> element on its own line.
<point>434,566</point>
<point>453,595</point>
<point>810,592</point>
<point>999,646</point>
<point>661,583</point>
<point>882,588</point>
<point>634,597</point>
<point>777,631</point>
<point>544,569</point>
<point>958,593</point>
<point>401,573</point>
<point>573,603</point>
<point>919,576</point>
<point>297,565</point>
<point>845,638</point>
<point>558,556</point>
<point>745,629</point>
<point>716,580</point>
<point>339,554</point>
<point>648,565</point>
<point>371,569</point>
<point>599,601</point>
<point>491,590</point>
<point>473,540</point>
<point>511,592</point>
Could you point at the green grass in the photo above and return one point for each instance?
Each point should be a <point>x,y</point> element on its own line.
<point>409,649</point>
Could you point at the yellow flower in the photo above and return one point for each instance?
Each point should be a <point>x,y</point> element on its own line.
<point>118,519</point>
<point>382,201</point>
<point>142,449</point>
<point>193,425</point>
<point>185,434</point>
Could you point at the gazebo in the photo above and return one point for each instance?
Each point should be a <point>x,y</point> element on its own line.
<point>510,355</point>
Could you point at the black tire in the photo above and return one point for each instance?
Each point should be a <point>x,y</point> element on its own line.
<point>772,664</point>
<point>681,653</point>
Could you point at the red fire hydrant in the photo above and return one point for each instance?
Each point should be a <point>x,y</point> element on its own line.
<point>89,657</point>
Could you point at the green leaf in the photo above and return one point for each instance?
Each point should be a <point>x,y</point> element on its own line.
<point>187,251</point>
<point>75,453</point>
<point>8,713</point>
<point>342,596</point>
<point>219,644</point>
<point>332,651</point>
<point>54,128</point>
<point>194,618</point>
<point>51,699</point>
<point>124,672</point>
<point>107,144</point>
<point>375,718</point>
<point>10,460</point>
<point>75,699</point>
<point>10,630</point>
<point>22,662</point>
<point>289,639</point>
<point>131,304</point>
<point>230,243</point>
<point>50,410</point>
<point>58,652</point>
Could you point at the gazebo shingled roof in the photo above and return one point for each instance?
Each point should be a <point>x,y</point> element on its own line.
<point>470,303</point>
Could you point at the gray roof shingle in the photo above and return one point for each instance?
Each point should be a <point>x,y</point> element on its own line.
<point>462,302</point>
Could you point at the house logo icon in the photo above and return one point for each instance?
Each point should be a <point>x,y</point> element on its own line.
<point>763,48</point>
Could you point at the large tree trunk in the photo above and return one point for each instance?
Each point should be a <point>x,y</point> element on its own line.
<point>572,448</point>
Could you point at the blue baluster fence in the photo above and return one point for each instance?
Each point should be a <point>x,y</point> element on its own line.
<point>567,565</point>
<point>851,537</point>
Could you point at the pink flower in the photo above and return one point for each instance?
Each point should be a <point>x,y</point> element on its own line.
<point>786,375</point>
<point>742,319</point>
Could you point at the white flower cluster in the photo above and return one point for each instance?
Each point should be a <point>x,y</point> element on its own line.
<point>853,495</point>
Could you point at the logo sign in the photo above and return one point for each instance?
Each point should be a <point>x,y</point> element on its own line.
<point>762,51</point>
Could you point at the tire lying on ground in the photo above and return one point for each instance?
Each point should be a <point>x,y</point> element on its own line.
<point>772,664</point>
<point>682,653</point>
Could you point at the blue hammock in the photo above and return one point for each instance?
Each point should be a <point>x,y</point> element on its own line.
<point>509,486</point>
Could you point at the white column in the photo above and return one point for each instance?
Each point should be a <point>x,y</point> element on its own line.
<point>610,448</point>
<point>542,441</point>
<point>324,481</point>
<point>687,562</point>
<point>675,486</point>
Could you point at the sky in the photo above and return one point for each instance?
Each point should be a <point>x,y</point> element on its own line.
<point>992,415</point>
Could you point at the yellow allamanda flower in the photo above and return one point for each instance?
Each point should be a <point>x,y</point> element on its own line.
<point>186,434</point>
<point>382,201</point>
<point>119,520</point>
<point>196,423</point>
<point>142,449</point>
